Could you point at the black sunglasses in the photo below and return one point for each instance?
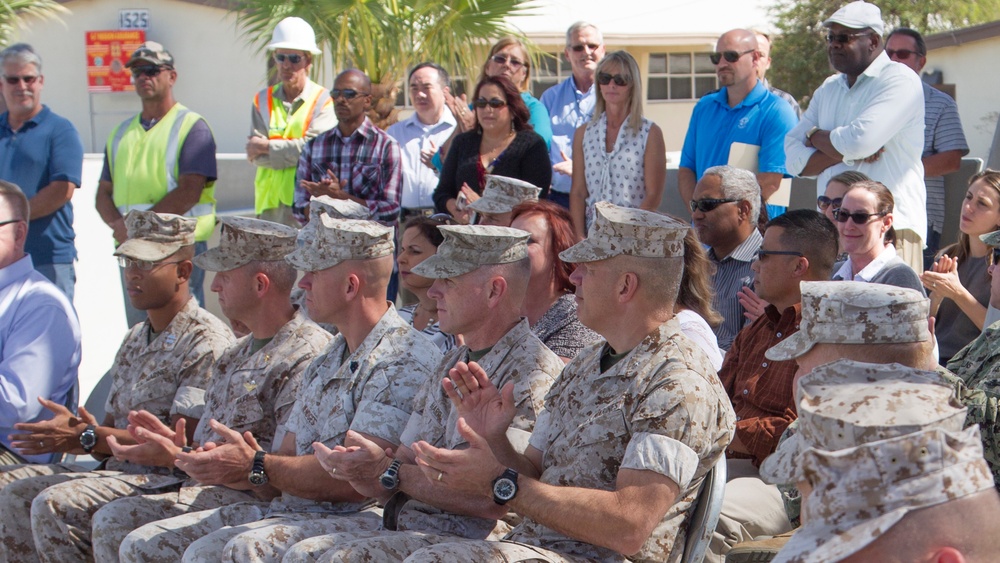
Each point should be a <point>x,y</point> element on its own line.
<point>604,79</point>
<point>844,38</point>
<point>495,103</point>
<point>15,80</point>
<point>294,59</point>
<point>859,217</point>
<point>761,253</point>
<point>901,54</point>
<point>347,94</point>
<point>730,56</point>
<point>442,218</point>
<point>582,46</point>
<point>993,258</point>
<point>824,202</point>
<point>706,205</point>
<point>147,71</point>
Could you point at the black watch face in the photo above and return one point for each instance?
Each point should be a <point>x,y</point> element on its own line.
<point>388,481</point>
<point>504,489</point>
<point>88,439</point>
<point>258,479</point>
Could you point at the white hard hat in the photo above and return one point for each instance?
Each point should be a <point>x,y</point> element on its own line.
<point>294,33</point>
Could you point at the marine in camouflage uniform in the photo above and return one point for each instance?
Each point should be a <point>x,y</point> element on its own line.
<point>515,357</point>
<point>656,407</point>
<point>368,390</point>
<point>255,385</point>
<point>164,373</point>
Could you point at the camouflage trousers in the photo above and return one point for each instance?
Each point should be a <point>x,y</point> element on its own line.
<point>380,546</point>
<point>482,551</point>
<point>750,508</point>
<point>113,522</point>
<point>19,484</point>
<point>61,514</point>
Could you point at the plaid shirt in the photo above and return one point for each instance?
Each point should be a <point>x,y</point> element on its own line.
<point>761,389</point>
<point>368,159</point>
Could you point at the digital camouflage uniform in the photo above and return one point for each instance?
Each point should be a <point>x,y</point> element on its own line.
<point>252,392</point>
<point>503,194</point>
<point>165,377</point>
<point>661,408</point>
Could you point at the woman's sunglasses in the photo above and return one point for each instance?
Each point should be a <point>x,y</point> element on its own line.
<point>859,217</point>
<point>824,202</point>
<point>604,79</point>
<point>495,103</point>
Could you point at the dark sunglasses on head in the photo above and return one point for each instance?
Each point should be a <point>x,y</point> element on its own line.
<point>761,253</point>
<point>582,46</point>
<point>901,54</point>
<point>604,79</point>
<point>730,56</point>
<point>502,60</point>
<point>346,93</point>
<point>442,218</point>
<point>844,38</point>
<point>824,202</point>
<point>15,80</point>
<point>495,103</point>
<point>706,205</point>
<point>148,71</point>
<point>294,59</point>
<point>859,217</point>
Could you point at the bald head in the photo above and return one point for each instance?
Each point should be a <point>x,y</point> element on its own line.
<point>738,40</point>
<point>357,75</point>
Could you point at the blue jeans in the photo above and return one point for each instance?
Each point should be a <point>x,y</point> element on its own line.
<point>63,275</point>
<point>134,316</point>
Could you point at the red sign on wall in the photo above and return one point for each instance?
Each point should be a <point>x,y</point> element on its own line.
<point>107,53</point>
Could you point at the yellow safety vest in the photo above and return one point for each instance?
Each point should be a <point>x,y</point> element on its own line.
<point>144,166</point>
<point>273,187</point>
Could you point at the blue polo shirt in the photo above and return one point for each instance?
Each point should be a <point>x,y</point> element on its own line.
<point>568,108</point>
<point>762,119</point>
<point>46,149</point>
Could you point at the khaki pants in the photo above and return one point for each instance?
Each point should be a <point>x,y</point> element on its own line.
<point>910,248</point>
<point>750,508</point>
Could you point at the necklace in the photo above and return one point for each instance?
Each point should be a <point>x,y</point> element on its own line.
<point>499,148</point>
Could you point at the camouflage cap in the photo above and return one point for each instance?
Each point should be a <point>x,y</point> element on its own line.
<point>502,194</point>
<point>847,312</point>
<point>992,239</point>
<point>154,236</point>
<point>859,493</point>
<point>632,232</point>
<point>845,403</point>
<point>338,208</point>
<point>243,240</point>
<point>152,53</point>
<point>326,242</point>
<point>467,247</point>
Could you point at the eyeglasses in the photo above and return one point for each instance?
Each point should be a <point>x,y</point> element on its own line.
<point>502,60</point>
<point>495,103</point>
<point>144,265</point>
<point>604,79</point>
<point>730,56</point>
<point>347,94</point>
<point>9,221</point>
<point>706,205</point>
<point>859,217</point>
<point>901,54</point>
<point>824,202</point>
<point>761,253</point>
<point>294,59</point>
<point>147,71</point>
<point>993,258</point>
<point>443,218</point>
<point>844,38</point>
<point>15,80</point>
<point>582,46</point>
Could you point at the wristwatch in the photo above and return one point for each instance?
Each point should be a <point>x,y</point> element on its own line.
<point>257,475</point>
<point>88,438</point>
<point>390,479</point>
<point>505,486</point>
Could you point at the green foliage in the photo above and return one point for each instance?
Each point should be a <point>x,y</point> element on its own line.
<point>799,51</point>
<point>17,13</point>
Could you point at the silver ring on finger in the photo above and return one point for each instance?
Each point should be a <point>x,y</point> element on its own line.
<point>440,475</point>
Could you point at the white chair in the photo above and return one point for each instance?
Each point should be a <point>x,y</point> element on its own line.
<point>704,515</point>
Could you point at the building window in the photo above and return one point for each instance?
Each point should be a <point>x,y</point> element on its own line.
<point>549,71</point>
<point>680,76</point>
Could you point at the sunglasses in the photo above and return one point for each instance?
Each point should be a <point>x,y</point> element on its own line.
<point>824,202</point>
<point>144,265</point>
<point>294,59</point>
<point>582,46</point>
<point>730,56</point>
<point>442,218</point>
<point>901,54</point>
<point>15,80</point>
<point>9,221</point>
<point>859,217</point>
<point>761,253</point>
<point>844,38</point>
<point>993,258</point>
<point>706,205</point>
<point>604,79</point>
<point>502,60</point>
<point>346,93</point>
<point>495,103</point>
<point>147,71</point>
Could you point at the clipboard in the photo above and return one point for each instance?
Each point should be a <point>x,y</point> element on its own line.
<point>746,156</point>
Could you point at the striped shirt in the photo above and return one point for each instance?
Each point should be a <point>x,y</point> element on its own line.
<point>942,132</point>
<point>731,274</point>
<point>443,340</point>
<point>368,159</point>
